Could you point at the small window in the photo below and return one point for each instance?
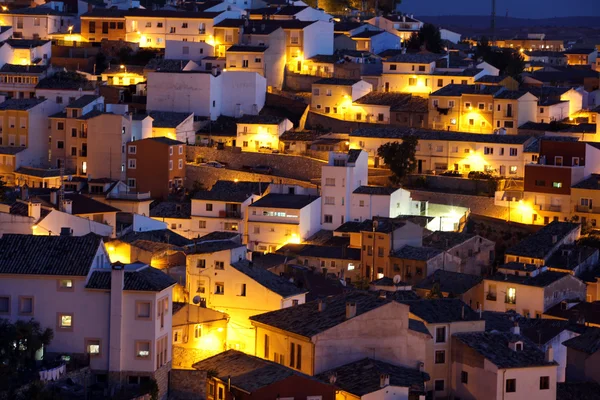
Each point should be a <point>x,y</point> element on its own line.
<point>93,347</point>
<point>4,305</point>
<point>439,385</point>
<point>544,382</point>
<point>557,185</point>
<point>511,385</point>
<point>143,310</point>
<point>142,349</point>
<point>440,334</point>
<point>132,149</point>
<point>65,284</point>
<point>219,288</point>
<point>132,163</point>
<point>201,263</point>
<point>65,321</point>
<point>440,357</point>
<point>219,265</point>
<point>209,207</point>
<point>25,305</point>
<point>464,377</point>
<point>197,331</point>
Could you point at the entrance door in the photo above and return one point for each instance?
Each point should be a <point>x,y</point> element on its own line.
<point>419,166</point>
<point>503,170</point>
<point>387,87</point>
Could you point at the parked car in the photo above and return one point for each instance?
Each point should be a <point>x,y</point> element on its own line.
<point>214,164</point>
<point>262,169</point>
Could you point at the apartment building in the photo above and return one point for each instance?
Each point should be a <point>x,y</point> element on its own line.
<point>227,33</point>
<point>24,123</point>
<point>116,316</point>
<point>547,185</point>
<point>261,133</point>
<point>412,264</point>
<point>466,287</point>
<point>511,365</point>
<point>335,96</point>
<point>443,318</point>
<point>156,165</point>
<point>280,218</point>
<point>37,22</point>
<point>218,276</point>
<point>274,58</point>
<point>225,207</point>
<point>321,335</point>
<point>289,12</point>
<point>19,81</point>
<point>441,151</point>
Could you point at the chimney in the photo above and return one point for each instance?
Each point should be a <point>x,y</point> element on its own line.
<point>25,192</point>
<point>554,239</point>
<point>515,330</point>
<point>480,311</point>
<point>321,305</point>
<point>549,355</point>
<point>384,380</point>
<point>117,277</point>
<point>34,210</point>
<point>68,206</point>
<point>215,71</point>
<point>382,294</point>
<point>350,309</point>
<point>462,312</point>
<point>53,197</point>
<point>66,231</point>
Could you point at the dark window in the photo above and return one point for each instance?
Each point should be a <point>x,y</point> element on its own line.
<point>440,334</point>
<point>113,25</point>
<point>105,27</point>
<point>440,357</point>
<point>439,385</point>
<point>267,346</point>
<point>544,382</point>
<point>540,182</point>
<point>421,68</point>
<point>392,67</point>
<point>298,357</point>
<point>509,124</point>
<point>208,207</point>
<point>292,355</point>
<point>440,83</point>
<point>92,27</point>
<point>511,385</point>
<point>119,25</point>
<point>464,377</point>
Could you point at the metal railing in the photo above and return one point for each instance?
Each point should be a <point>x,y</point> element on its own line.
<point>587,209</point>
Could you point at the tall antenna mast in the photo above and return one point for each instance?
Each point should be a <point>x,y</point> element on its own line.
<point>493,21</point>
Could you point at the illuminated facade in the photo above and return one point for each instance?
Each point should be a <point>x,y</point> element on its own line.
<point>581,56</point>
<point>256,133</point>
<point>334,96</point>
<point>402,26</point>
<point>37,22</point>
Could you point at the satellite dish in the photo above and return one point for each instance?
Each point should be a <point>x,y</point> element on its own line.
<point>196,300</point>
<point>397,279</point>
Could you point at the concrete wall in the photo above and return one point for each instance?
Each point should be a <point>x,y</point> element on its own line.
<point>477,204</point>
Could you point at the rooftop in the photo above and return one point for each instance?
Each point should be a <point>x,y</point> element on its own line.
<point>542,279</point>
<point>23,69</point>
<point>212,246</point>
<point>48,255</point>
<point>423,134</point>
<point>494,346</point>
<point>40,172</point>
<point>260,119</point>
<point>25,43</point>
<point>171,209</point>
<point>375,190</point>
<point>163,64</point>
<point>415,58</point>
<point>591,183</point>
<point>457,90</point>
<point>20,104</point>
<point>450,282</point>
<point>145,279</point>
<point>82,204</point>
<point>440,311</point>
<point>289,201</point>
<point>160,236</point>
<point>346,26</point>
<point>364,376</point>
<point>11,150</point>
<point>367,34</point>
<point>336,81</point>
<point>239,48</point>
<point>231,191</point>
<point>446,240</point>
<point>83,101</point>
<point>580,51</point>
<point>539,245</point>
<point>569,256</point>
<point>588,342</point>
<point>306,320</point>
<point>417,253</point>
<point>491,79</point>
<point>66,81</point>
<point>582,312</point>
<point>269,280</point>
<point>311,250</point>
<point>141,12</point>
<point>396,101</point>
<point>577,390</point>
<point>168,119</point>
<point>383,225</point>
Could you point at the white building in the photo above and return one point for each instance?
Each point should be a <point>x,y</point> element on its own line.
<point>376,41</point>
<point>186,50</point>
<point>25,52</point>
<point>280,218</point>
<point>378,201</point>
<point>36,23</point>
<point>261,132</point>
<point>119,317</point>
<point>207,94</point>
<point>343,174</point>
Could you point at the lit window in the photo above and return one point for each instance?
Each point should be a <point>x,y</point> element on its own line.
<point>142,349</point>
<point>93,347</point>
<point>65,321</point>
<point>65,284</point>
<point>557,185</point>
<point>350,267</point>
<point>511,296</point>
<point>198,331</point>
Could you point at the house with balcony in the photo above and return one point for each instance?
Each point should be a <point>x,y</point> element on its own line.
<point>321,335</point>
<point>581,56</point>
<point>548,183</point>
<point>116,317</point>
<point>218,276</point>
<point>225,207</point>
<point>529,290</point>
<point>280,218</point>
<point>261,133</point>
<point>19,81</point>
<point>510,363</point>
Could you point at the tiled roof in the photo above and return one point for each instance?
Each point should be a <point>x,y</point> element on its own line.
<point>592,183</point>
<point>145,279</point>
<point>22,208</point>
<point>289,201</point>
<point>25,43</point>
<point>538,245</point>
<point>517,266</point>
<point>206,247</point>
<point>457,90</point>
<point>437,311</point>
<point>83,204</point>
<point>364,376</point>
<point>269,260</point>
<point>400,296</point>
<point>274,283</point>
<point>346,26</point>
<point>385,281</point>
<point>415,58</point>
<point>48,255</point>
<point>287,10</point>
<point>11,150</point>
<point>310,250</point>
<point>219,236</point>
<point>236,192</point>
<point>324,58</point>
<point>154,247</point>
<point>23,69</point>
<point>568,256</point>
<point>66,81</point>
<point>375,190</point>
<point>230,23</point>
<point>168,119</point>
<point>140,12</point>
<point>39,172</point>
<point>239,48</point>
<point>396,101</point>
<point>336,81</point>
<point>424,134</point>
<point>580,51</point>
<point>491,79</point>
<point>306,320</point>
<point>83,101</point>
<point>367,34</point>
<point>534,146</point>
<point>353,155</point>
<point>463,72</point>
<point>583,312</point>
<point>446,240</point>
<point>511,94</point>
<point>20,104</point>
<point>588,342</point>
<point>160,236</point>
<point>450,282</point>
<point>577,390</point>
<point>172,209</point>
<point>383,225</point>
<point>415,324</point>
<point>541,279</point>
<point>303,136</point>
<point>246,372</point>
<point>36,11</point>
<point>164,64</point>
<point>260,119</point>
<point>494,346</point>
<point>417,253</point>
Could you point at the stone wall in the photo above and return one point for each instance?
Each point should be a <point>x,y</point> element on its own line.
<point>185,357</point>
<point>287,166</point>
<point>208,176</point>
<point>478,204</point>
<point>456,185</point>
<point>298,82</point>
<point>187,385</point>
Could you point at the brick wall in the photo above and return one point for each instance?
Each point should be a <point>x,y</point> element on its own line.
<point>187,385</point>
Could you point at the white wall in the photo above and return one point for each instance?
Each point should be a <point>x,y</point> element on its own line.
<point>318,39</point>
<point>195,50</point>
<point>243,91</point>
<point>144,224</point>
<point>384,41</point>
<point>80,226</point>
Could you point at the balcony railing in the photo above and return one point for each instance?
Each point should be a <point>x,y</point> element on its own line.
<point>587,209</point>
<point>549,207</point>
<point>230,214</point>
<point>83,134</point>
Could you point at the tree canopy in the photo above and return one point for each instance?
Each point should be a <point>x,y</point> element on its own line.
<point>508,61</point>
<point>400,157</point>
<point>429,36</point>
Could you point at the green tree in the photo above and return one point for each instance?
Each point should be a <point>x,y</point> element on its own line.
<point>429,36</point>
<point>400,157</point>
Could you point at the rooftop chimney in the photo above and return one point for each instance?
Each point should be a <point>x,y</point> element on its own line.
<point>350,309</point>
<point>34,210</point>
<point>549,356</point>
<point>117,277</point>
<point>384,380</point>
<point>462,312</point>
<point>66,231</point>
<point>515,330</point>
<point>25,192</point>
<point>68,206</point>
<point>554,239</point>
<point>321,305</point>
<point>382,294</point>
<point>53,197</point>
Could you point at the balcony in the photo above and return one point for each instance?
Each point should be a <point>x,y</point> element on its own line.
<point>230,214</point>
<point>587,209</point>
<point>83,134</point>
<point>491,297</point>
<point>549,207</point>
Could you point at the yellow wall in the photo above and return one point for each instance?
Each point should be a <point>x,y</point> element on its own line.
<point>279,342</point>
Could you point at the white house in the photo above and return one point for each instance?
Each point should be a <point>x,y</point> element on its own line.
<point>376,41</point>
<point>378,201</point>
<point>401,25</point>
<point>207,94</point>
<point>186,50</point>
<point>218,276</point>
<point>26,52</point>
<point>119,316</point>
<point>37,22</point>
<point>261,132</point>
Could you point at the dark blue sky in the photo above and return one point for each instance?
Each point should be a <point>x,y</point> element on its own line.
<point>516,8</point>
